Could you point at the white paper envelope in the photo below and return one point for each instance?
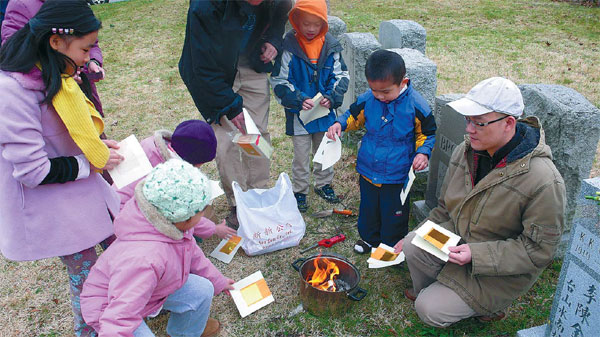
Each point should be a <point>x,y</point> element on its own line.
<point>376,263</point>
<point>251,127</point>
<point>318,111</point>
<point>435,240</point>
<point>135,165</point>
<point>215,189</point>
<point>226,249</point>
<point>251,294</point>
<point>406,189</point>
<point>329,152</point>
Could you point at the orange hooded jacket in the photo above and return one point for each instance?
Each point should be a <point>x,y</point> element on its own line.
<point>313,47</point>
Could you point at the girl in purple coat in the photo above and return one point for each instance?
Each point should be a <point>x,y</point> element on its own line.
<point>54,201</point>
<point>155,263</point>
<point>18,13</point>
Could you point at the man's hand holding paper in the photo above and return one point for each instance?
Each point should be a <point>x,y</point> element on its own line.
<point>460,255</point>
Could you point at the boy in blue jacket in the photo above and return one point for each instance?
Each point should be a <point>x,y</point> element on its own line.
<point>311,63</point>
<point>400,133</point>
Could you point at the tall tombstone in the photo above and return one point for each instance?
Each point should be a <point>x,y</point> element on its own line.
<point>357,49</point>
<point>337,27</point>
<point>402,34</point>
<point>576,305</point>
<point>422,73</point>
<point>572,128</point>
<point>450,132</point>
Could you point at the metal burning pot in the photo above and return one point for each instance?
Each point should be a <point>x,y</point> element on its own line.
<point>323,302</point>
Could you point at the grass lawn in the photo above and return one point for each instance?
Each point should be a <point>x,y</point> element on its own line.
<point>528,41</point>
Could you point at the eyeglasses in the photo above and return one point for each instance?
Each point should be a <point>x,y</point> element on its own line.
<point>479,125</point>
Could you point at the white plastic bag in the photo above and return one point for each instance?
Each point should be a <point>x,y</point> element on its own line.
<point>269,219</point>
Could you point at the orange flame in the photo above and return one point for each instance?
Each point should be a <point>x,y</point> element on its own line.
<point>323,277</point>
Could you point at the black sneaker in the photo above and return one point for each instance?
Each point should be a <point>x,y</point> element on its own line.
<point>326,192</point>
<point>301,200</point>
<point>362,247</point>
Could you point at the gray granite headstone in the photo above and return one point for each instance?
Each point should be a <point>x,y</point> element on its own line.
<point>402,34</point>
<point>576,305</point>
<point>337,26</point>
<point>422,73</point>
<point>572,128</point>
<point>357,48</point>
<point>450,132</point>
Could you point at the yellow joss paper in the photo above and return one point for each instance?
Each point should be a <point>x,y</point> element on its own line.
<point>230,245</point>
<point>436,238</point>
<point>255,292</point>
<point>383,254</point>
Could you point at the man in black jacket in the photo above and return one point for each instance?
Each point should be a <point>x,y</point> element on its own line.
<point>228,49</point>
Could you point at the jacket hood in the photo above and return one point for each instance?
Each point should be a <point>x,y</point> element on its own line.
<point>31,80</point>
<point>162,139</point>
<point>331,45</point>
<point>314,7</point>
<point>534,141</point>
<point>140,221</point>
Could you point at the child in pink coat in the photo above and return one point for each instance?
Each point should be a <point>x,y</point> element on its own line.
<point>155,262</point>
<point>193,141</point>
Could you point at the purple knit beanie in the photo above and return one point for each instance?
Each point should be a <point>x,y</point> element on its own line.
<point>194,141</point>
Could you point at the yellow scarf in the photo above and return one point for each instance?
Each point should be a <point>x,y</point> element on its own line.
<point>82,121</point>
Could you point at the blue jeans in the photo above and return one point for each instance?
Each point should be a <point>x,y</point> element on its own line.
<point>189,307</point>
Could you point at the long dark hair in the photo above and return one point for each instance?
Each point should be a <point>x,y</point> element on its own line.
<point>31,43</point>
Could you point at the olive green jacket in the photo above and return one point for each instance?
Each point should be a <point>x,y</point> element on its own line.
<point>512,221</point>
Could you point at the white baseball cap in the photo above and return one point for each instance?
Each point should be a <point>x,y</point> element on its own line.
<point>494,94</point>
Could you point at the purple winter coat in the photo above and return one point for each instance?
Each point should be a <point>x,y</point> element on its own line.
<point>40,221</point>
<point>157,150</point>
<point>18,13</point>
<point>134,276</point>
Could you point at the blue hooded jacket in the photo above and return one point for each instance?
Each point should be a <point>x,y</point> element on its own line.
<point>396,132</point>
<point>296,79</point>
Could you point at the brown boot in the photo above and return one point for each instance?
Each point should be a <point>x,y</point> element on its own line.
<point>500,315</point>
<point>231,220</point>
<point>409,293</point>
<point>212,328</point>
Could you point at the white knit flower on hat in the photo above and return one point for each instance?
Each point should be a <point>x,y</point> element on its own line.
<point>177,189</point>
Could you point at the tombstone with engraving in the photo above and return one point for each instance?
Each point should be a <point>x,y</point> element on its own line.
<point>576,304</point>
<point>450,133</point>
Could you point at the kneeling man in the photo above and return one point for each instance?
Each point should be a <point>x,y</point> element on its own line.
<point>504,197</point>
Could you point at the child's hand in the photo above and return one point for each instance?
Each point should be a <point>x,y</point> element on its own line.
<point>93,67</point>
<point>326,103</point>
<point>420,162</point>
<point>114,157</point>
<point>308,104</point>
<point>229,286</point>
<point>223,231</point>
<point>335,129</point>
<point>398,246</point>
